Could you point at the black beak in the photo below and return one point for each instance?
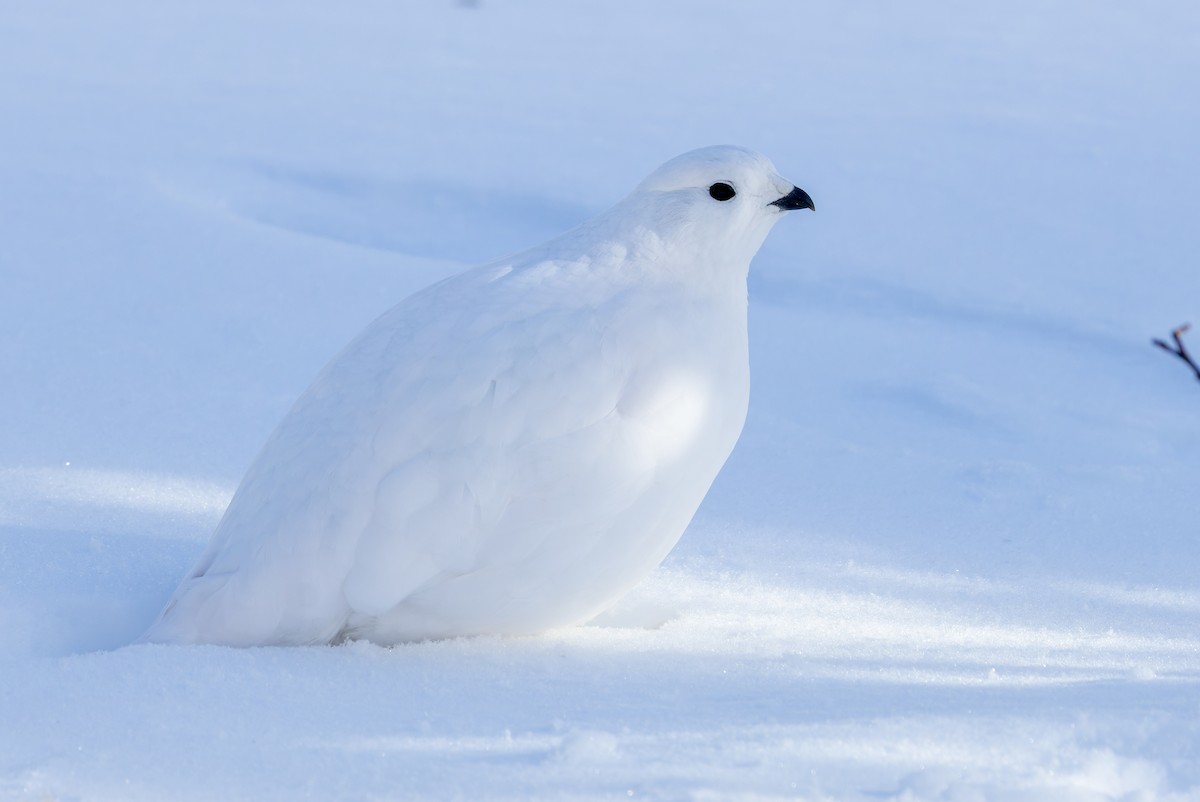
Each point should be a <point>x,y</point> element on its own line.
<point>796,199</point>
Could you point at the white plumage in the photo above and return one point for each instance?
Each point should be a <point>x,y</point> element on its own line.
<point>511,449</point>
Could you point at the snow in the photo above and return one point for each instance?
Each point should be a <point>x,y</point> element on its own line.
<point>952,557</point>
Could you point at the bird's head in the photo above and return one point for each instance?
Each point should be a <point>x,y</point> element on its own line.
<point>722,200</point>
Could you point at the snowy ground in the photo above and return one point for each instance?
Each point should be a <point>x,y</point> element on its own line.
<point>954,556</point>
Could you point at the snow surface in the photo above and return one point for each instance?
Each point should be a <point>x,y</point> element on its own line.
<point>953,557</point>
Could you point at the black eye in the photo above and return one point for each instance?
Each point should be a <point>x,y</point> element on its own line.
<point>721,191</point>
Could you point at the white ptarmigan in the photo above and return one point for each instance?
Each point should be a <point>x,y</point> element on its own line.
<point>513,448</point>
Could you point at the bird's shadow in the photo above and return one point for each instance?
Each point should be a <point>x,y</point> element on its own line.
<point>73,592</point>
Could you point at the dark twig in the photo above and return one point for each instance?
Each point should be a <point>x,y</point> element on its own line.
<point>1179,350</point>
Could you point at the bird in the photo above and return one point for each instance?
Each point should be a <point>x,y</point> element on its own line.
<point>511,449</point>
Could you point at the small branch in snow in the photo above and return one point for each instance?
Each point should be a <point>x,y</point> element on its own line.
<point>1178,349</point>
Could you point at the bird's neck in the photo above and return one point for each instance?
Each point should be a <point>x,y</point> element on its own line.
<point>660,252</point>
